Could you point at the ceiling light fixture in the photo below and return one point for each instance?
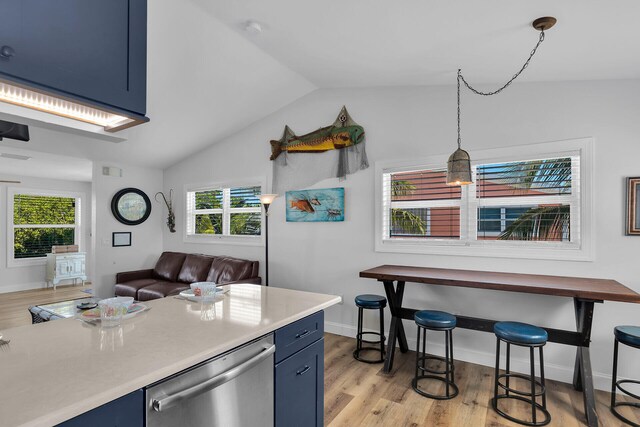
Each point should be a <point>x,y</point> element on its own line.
<point>252,27</point>
<point>459,163</point>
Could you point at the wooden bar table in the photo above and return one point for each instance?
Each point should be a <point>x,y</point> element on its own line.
<point>584,291</point>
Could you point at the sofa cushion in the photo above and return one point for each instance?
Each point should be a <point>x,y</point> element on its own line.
<point>195,268</point>
<point>168,266</point>
<point>160,290</point>
<point>131,288</point>
<point>228,269</point>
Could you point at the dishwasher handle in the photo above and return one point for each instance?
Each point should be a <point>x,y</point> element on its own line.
<point>166,402</point>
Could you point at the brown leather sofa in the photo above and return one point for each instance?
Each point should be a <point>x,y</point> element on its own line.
<point>175,271</point>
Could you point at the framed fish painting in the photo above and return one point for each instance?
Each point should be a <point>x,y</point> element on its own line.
<point>321,205</point>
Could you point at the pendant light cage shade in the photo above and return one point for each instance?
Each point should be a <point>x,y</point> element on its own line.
<point>459,168</point>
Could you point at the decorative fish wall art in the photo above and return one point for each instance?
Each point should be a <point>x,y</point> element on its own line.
<point>344,132</point>
<point>322,205</point>
<point>333,151</point>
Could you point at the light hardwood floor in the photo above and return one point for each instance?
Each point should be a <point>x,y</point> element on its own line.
<point>14,305</point>
<point>359,394</point>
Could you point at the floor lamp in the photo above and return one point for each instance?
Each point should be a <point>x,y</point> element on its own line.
<point>266,200</point>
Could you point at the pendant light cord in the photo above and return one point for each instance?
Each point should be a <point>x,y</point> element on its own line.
<point>478,92</point>
<point>459,77</point>
<point>515,76</point>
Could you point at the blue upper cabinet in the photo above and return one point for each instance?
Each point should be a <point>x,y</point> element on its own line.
<point>84,50</point>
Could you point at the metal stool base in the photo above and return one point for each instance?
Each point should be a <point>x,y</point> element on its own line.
<point>617,385</point>
<point>360,348</point>
<point>547,415</point>
<point>424,373</point>
<point>379,343</point>
<point>453,388</point>
<point>537,388</point>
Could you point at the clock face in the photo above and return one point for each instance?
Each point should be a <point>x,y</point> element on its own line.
<point>131,206</point>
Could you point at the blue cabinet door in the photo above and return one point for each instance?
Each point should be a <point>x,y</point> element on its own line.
<point>84,49</point>
<point>127,411</point>
<point>299,388</point>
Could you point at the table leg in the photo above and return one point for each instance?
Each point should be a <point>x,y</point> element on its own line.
<point>396,329</point>
<point>402,337</point>
<point>583,375</point>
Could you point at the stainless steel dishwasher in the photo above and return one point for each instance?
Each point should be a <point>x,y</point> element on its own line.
<point>232,390</point>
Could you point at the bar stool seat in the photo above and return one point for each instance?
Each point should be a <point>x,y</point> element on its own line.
<point>629,335</point>
<point>371,301</point>
<point>520,333</point>
<point>433,319</point>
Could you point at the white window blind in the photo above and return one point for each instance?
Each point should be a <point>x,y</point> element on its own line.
<point>230,211</point>
<point>40,221</point>
<point>524,202</point>
<point>534,200</point>
<point>419,204</point>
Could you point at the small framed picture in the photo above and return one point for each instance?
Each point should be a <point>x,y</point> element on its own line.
<point>633,207</point>
<point>121,239</point>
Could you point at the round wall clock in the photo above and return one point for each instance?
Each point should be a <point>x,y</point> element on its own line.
<point>131,206</point>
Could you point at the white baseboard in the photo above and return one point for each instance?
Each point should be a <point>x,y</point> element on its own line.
<point>601,381</point>
<point>22,287</point>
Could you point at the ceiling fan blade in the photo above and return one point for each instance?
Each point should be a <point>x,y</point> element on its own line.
<point>9,182</point>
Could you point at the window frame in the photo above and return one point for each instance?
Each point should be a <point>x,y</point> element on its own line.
<point>12,262</point>
<point>580,248</point>
<point>225,237</point>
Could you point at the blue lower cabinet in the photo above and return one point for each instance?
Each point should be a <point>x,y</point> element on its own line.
<point>127,411</point>
<point>299,388</point>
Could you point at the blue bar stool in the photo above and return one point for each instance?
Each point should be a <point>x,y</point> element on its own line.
<point>369,302</point>
<point>435,321</point>
<point>627,335</point>
<point>532,337</point>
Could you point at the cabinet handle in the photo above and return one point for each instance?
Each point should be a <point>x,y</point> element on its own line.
<point>7,52</point>
<point>304,370</point>
<point>302,334</point>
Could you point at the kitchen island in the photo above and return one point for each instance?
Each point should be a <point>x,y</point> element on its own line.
<point>55,371</point>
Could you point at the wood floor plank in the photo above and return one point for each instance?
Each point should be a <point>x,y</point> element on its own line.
<point>358,394</point>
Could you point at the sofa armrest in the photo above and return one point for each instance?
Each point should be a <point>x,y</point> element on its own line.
<point>253,280</point>
<point>128,276</point>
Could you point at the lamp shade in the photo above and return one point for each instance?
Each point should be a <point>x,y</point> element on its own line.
<point>459,168</point>
<point>267,199</point>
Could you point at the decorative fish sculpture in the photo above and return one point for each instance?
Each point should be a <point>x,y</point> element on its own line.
<point>344,132</point>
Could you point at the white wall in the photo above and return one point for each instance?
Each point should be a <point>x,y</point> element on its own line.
<point>146,238</point>
<point>407,122</point>
<point>31,277</point>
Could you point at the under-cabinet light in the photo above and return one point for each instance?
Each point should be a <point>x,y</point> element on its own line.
<point>29,98</point>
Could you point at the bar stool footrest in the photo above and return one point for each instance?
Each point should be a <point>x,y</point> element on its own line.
<point>625,391</point>
<point>433,371</point>
<point>542,389</point>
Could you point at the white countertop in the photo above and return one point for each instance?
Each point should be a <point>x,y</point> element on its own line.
<point>53,371</point>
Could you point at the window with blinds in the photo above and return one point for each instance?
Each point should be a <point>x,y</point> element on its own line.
<point>42,221</point>
<point>533,201</point>
<point>232,211</point>
<point>419,205</point>
<point>530,200</point>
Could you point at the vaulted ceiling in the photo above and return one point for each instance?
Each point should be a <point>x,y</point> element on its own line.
<point>208,77</point>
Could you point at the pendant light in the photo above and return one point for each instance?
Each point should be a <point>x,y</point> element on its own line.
<point>459,163</point>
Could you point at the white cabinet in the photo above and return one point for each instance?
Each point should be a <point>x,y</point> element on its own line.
<point>68,266</point>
